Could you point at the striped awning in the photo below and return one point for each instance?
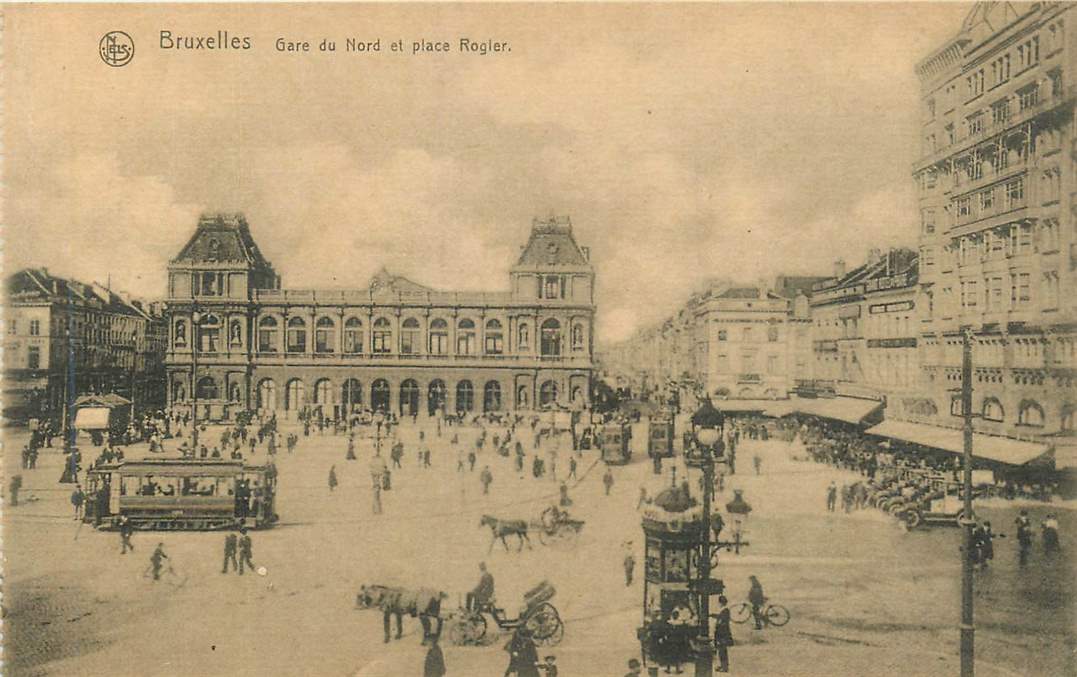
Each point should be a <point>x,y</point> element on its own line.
<point>847,409</point>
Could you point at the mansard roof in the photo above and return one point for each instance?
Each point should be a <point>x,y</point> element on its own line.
<point>222,238</point>
<point>383,280</point>
<point>37,285</point>
<point>552,244</point>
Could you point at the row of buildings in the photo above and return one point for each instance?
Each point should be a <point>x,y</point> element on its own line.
<point>64,338</point>
<point>239,341</point>
<point>997,256</point>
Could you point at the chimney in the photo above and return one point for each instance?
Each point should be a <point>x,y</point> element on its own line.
<point>839,268</point>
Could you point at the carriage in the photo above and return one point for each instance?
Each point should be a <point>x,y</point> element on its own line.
<point>614,443</point>
<point>539,616</point>
<point>181,494</point>
<point>555,525</point>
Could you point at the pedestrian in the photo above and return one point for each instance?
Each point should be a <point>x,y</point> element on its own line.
<point>471,459</point>
<point>642,497</point>
<point>377,498</point>
<point>630,567</point>
<point>572,468</point>
<point>459,460</point>
<point>486,477</point>
<point>723,634</point>
<point>846,498</point>
<point>634,668</point>
<point>757,463</point>
<point>13,490</point>
<point>1024,536</point>
<point>565,500</point>
<point>332,477</point>
<point>125,535</point>
<point>831,496</point>
<point>434,665</point>
<point>156,560</point>
<point>244,551</point>
<point>607,480</point>
<point>985,544</point>
<point>350,456</point>
<point>1049,528</point>
<point>78,498</point>
<point>231,545</point>
<point>756,598</point>
<point>523,656</point>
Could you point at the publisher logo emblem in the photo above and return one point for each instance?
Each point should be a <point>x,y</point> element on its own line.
<point>117,48</point>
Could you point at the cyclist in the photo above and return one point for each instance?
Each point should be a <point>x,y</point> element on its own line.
<point>757,599</point>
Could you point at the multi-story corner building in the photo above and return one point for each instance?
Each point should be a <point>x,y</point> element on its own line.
<point>238,341</point>
<point>864,327</point>
<point>998,236</point>
<point>64,338</point>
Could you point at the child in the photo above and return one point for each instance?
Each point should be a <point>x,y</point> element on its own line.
<point>549,666</point>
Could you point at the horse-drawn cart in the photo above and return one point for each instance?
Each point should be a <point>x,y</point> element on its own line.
<point>539,617</point>
<point>555,525</point>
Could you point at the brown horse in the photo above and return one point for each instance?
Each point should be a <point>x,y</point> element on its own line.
<point>501,528</point>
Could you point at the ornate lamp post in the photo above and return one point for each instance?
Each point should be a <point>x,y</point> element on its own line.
<point>708,424</point>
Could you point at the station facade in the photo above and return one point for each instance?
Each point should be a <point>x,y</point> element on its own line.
<point>238,341</point>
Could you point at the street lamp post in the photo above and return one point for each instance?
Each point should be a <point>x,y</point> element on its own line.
<point>968,630</point>
<point>709,424</point>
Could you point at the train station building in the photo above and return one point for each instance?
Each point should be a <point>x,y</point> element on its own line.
<point>239,341</point>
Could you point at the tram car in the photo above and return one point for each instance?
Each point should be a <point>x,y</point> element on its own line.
<point>615,443</point>
<point>181,494</point>
<point>660,437</point>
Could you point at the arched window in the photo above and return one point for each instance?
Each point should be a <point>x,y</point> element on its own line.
<point>235,333</point>
<point>181,334</point>
<point>439,337</point>
<point>552,287</point>
<point>495,339</point>
<point>1067,419</point>
<point>409,336</point>
<point>351,394</point>
<point>548,393</point>
<point>465,397</point>
<point>325,332</point>
<point>353,336</point>
<point>1030,414</point>
<point>267,394</point>
<point>491,396</point>
<point>383,336</point>
<point>409,397</point>
<point>992,410</point>
<point>465,337</point>
<point>297,336</point>
<point>207,388</point>
<point>523,337</point>
<point>235,392</point>
<point>772,334</point>
<point>379,395</point>
<point>295,395</point>
<point>521,397</point>
<point>209,332</point>
<point>179,392</point>
<point>323,392</point>
<point>577,336</point>
<point>551,337</point>
<point>268,339</point>
<point>435,397</point>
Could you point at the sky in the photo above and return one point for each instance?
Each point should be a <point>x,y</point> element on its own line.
<point>686,142</point>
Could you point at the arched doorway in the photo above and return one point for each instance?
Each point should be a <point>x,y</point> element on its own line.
<point>295,395</point>
<point>267,394</point>
<point>323,393</point>
<point>577,396</point>
<point>207,388</point>
<point>491,396</point>
<point>409,398</point>
<point>351,395</point>
<point>465,397</point>
<point>435,398</point>
<point>379,395</point>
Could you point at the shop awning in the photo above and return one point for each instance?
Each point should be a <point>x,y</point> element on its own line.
<point>848,409</point>
<point>1066,458</point>
<point>999,449</point>
<point>742,405</point>
<point>92,418</point>
<point>106,400</point>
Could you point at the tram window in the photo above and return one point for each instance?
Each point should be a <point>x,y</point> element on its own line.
<point>148,487</point>
<point>199,486</point>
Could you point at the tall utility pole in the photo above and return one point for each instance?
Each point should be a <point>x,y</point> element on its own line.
<point>967,628</point>
<point>704,655</point>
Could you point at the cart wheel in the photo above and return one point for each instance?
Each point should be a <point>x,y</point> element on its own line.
<point>741,613</point>
<point>777,615</point>
<point>545,625</point>
<point>912,518</point>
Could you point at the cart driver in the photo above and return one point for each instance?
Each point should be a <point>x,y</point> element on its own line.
<point>483,594</point>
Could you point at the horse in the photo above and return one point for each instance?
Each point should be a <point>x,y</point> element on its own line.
<point>424,603</point>
<point>501,528</point>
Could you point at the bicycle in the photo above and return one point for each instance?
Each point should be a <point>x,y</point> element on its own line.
<point>773,614</point>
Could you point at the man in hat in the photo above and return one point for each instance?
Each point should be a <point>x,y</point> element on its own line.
<point>125,535</point>
<point>231,545</point>
<point>156,560</point>
<point>245,551</point>
<point>633,668</point>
